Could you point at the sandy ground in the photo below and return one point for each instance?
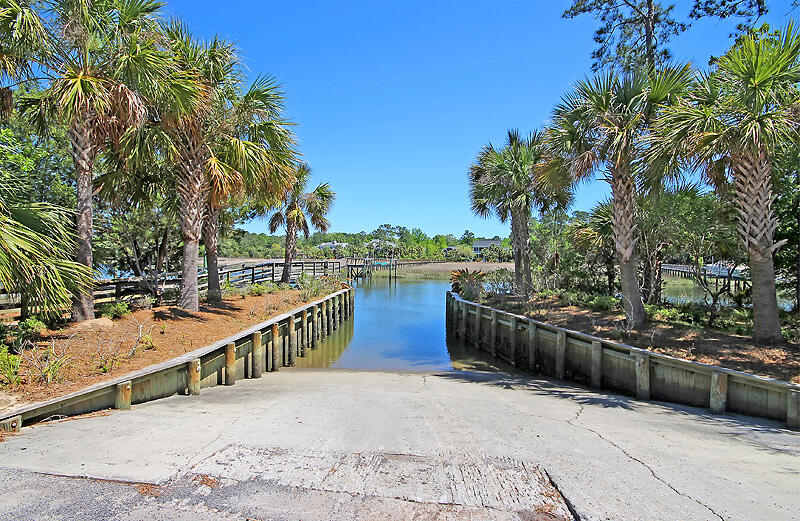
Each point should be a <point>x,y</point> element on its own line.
<point>319,445</point>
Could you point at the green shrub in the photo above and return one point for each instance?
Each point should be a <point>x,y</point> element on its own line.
<point>115,309</point>
<point>264,288</point>
<point>9,366</point>
<point>28,330</point>
<point>602,303</point>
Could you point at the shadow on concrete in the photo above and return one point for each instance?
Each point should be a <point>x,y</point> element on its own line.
<point>743,428</point>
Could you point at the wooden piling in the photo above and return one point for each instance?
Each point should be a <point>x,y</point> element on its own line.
<point>123,398</point>
<point>512,338</point>
<point>292,341</point>
<point>597,364</point>
<point>230,364</point>
<point>532,345</point>
<point>462,323</point>
<point>448,305</point>
<point>718,398</point>
<point>477,340</point>
<point>304,333</point>
<point>13,424</point>
<point>193,370</point>
<point>314,326</point>
<point>561,353</point>
<point>277,359</point>
<point>793,409</point>
<point>642,376</point>
<point>258,355</point>
<point>493,333</point>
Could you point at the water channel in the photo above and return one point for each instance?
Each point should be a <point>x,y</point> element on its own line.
<point>398,325</point>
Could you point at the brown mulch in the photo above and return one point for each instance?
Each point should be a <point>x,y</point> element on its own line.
<point>705,345</point>
<point>173,332</point>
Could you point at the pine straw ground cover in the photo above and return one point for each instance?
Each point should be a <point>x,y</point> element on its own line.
<point>103,349</point>
<point>697,343</point>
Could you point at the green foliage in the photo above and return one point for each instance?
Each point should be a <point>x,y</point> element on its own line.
<point>116,309</point>
<point>311,287</point>
<point>47,362</point>
<point>500,282</point>
<point>468,284</point>
<point>264,288</point>
<point>9,366</point>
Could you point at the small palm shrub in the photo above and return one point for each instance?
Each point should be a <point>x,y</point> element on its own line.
<point>468,284</point>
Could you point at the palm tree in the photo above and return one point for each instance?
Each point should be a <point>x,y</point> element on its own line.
<point>594,232</point>
<point>98,60</point>
<point>603,123</point>
<point>36,247</point>
<point>253,120</point>
<point>297,209</point>
<point>224,140</point>
<point>504,181</point>
<point>729,125</point>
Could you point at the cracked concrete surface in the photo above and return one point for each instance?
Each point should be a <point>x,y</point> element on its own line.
<point>313,444</point>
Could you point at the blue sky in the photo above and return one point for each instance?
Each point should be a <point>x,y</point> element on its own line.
<point>394,99</point>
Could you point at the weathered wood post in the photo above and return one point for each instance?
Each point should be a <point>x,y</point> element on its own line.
<point>193,370</point>
<point>561,353</point>
<point>493,333</point>
<point>329,315</point>
<point>532,345</point>
<point>642,376</point>
<point>277,359</point>
<point>315,334</point>
<point>597,364</point>
<point>230,364</point>
<point>258,355</point>
<point>323,319</point>
<point>304,333</point>
<point>448,311</point>
<point>718,398</point>
<point>793,409</point>
<point>478,315</point>
<point>13,424</point>
<point>123,398</point>
<point>462,323</point>
<point>352,301</point>
<point>513,339</point>
<point>292,340</point>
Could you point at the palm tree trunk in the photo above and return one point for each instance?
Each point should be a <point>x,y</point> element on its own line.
<point>83,155</point>
<point>191,194</point>
<point>525,257</point>
<point>757,223</point>
<point>211,241</point>
<point>518,283</point>
<point>291,244</point>
<point>625,239</point>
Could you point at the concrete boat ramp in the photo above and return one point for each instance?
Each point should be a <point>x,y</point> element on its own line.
<point>329,445</point>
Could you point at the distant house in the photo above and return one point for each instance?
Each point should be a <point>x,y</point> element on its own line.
<point>332,245</point>
<point>479,246</point>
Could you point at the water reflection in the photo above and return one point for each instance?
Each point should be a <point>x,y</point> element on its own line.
<point>398,325</point>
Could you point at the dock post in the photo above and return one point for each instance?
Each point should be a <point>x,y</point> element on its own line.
<point>597,364</point>
<point>292,340</point>
<point>230,364</point>
<point>478,316</point>
<point>642,376</point>
<point>493,333</point>
<point>719,392</point>
<point>304,333</point>
<point>193,370</point>
<point>532,347</point>
<point>277,359</point>
<point>13,424</point>
<point>123,398</point>
<point>462,324</point>
<point>561,353</point>
<point>513,339</point>
<point>257,366</point>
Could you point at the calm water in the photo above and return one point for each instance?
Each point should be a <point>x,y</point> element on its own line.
<point>397,325</point>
